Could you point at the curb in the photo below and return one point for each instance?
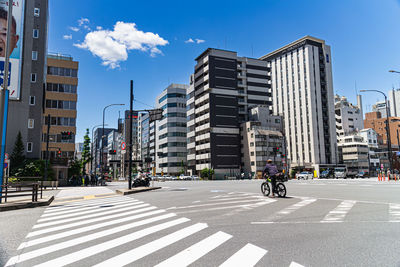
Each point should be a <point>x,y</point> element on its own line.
<point>16,206</point>
<point>136,190</point>
<point>83,197</point>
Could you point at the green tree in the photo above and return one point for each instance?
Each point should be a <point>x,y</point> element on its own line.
<point>75,167</point>
<point>182,171</point>
<point>86,155</point>
<point>17,158</point>
<point>34,168</point>
<point>207,173</point>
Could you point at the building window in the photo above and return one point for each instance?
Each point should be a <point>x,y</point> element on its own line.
<point>252,163</point>
<point>35,33</point>
<point>29,147</point>
<point>31,123</point>
<point>32,100</point>
<point>34,55</point>
<point>36,12</point>
<point>33,77</point>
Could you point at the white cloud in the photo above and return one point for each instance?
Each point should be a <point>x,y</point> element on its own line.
<point>99,28</point>
<point>113,46</point>
<point>75,29</point>
<point>67,37</point>
<point>83,21</point>
<point>197,41</point>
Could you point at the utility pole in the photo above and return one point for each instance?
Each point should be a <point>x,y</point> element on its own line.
<point>130,136</point>
<point>46,164</point>
<point>4,95</point>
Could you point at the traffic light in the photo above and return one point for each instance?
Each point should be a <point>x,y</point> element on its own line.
<point>59,152</point>
<point>112,152</point>
<point>276,149</point>
<point>66,135</point>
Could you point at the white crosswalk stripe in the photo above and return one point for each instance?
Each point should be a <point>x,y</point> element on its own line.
<point>394,212</point>
<point>196,251</point>
<point>81,205</point>
<point>144,250</point>
<point>67,226</point>
<point>69,238</point>
<point>72,217</point>
<point>247,256</point>
<point>338,214</point>
<point>294,207</point>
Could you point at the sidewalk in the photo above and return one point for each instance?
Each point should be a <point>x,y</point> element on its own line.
<point>24,202</point>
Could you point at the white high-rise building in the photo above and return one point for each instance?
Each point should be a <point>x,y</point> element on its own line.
<point>380,106</point>
<point>302,92</point>
<point>349,118</point>
<point>171,131</point>
<point>394,100</point>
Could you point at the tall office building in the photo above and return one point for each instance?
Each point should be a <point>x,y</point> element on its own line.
<point>26,97</point>
<point>224,88</point>
<point>349,118</point>
<point>302,92</point>
<point>60,103</point>
<point>171,131</point>
<point>394,100</point>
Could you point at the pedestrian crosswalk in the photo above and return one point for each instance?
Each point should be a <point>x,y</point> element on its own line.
<point>128,230</point>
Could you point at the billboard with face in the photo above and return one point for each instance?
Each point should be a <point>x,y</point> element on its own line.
<point>16,45</point>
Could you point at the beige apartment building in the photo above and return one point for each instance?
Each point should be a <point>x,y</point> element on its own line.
<point>60,103</point>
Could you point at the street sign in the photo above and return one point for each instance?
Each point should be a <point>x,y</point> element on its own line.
<point>5,165</point>
<point>5,156</point>
<point>123,145</point>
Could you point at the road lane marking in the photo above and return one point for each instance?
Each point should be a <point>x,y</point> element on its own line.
<point>75,203</point>
<point>94,213</point>
<point>57,205</point>
<point>294,207</point>
<point>85,229</point>
<point>195,252</point>
<point>213,204</point>
<point>394,212</point>
<point>338,213</point>
<point>235,198</point>
<point>247,256</point>
<point>250,206</point>
<point>71,225</point>
<point>295,264</point>
<point>84,207</point>
<point>93,250</point>
<point>83,239</point>
<point>149,248</point>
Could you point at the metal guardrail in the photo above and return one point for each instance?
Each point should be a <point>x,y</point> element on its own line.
<point>20,190</point>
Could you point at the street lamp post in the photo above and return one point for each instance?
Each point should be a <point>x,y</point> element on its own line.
<point>389,145</point>
<point>102,138</point>
<point>91,149</point>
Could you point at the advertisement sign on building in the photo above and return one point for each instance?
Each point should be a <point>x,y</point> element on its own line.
<point>16,45</point>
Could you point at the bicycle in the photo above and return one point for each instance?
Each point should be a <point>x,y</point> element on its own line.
<point>280,188</point>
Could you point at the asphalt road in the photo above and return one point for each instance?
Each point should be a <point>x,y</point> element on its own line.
<point>212,223</point>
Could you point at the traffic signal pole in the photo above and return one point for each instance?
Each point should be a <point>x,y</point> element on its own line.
<point>4,95</point>
<point>46,163</point>
<point>130,137</point>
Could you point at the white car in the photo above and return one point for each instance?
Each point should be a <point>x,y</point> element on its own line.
<point>304,175</point>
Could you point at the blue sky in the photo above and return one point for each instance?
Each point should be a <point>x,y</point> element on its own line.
<point>364,36</point>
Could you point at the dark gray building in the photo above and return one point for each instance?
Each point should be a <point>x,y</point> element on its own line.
<point>25,115</point>
<point>223,88</point>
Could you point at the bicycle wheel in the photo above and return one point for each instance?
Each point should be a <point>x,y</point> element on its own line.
<point>265,189</point>
<point>281,189</point>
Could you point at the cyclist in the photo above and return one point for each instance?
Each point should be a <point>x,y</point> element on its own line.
<point>273,172</point>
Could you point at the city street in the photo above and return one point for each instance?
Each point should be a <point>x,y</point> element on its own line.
<point>211,223</point>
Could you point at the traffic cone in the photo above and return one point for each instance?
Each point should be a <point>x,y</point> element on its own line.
<point>384,178</point>
<point>379,177</point>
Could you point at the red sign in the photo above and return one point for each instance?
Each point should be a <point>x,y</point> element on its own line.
<point>123,146</point>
